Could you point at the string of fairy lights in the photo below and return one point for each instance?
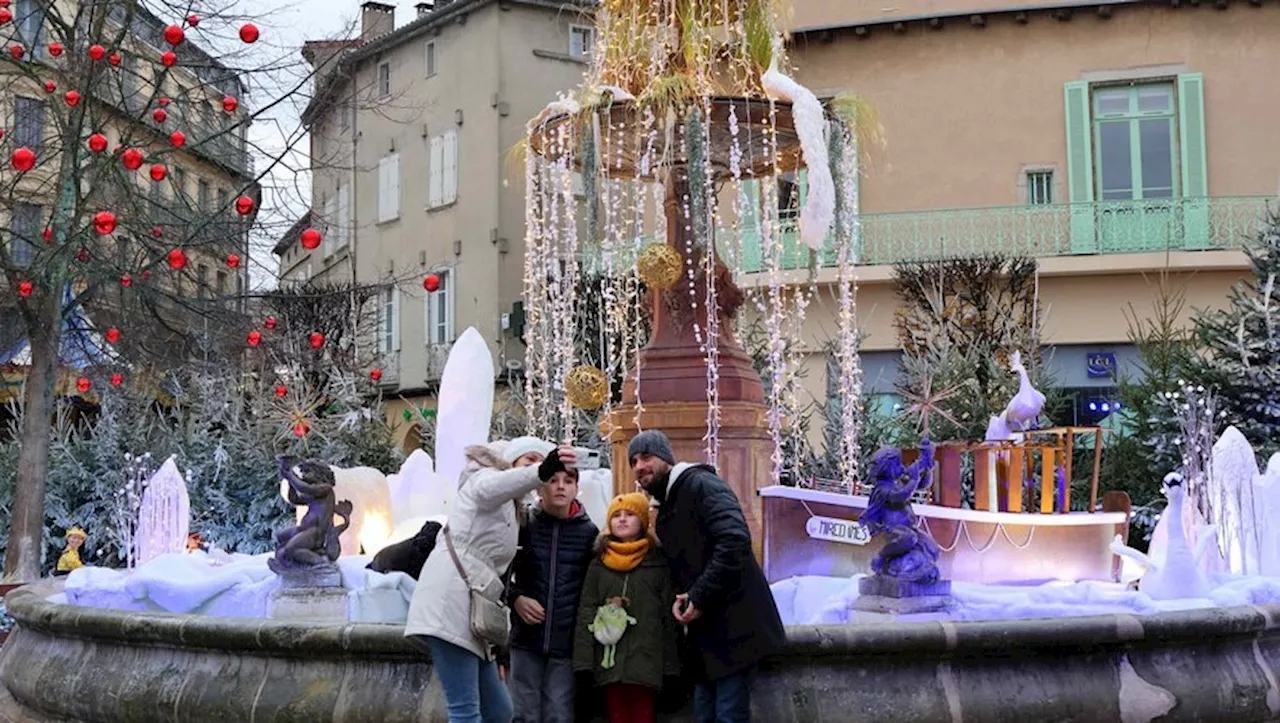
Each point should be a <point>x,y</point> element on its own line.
<point>601,183</point>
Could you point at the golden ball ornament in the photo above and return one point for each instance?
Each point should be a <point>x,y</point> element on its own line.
<point>586,387</point>
<point>659,266</point>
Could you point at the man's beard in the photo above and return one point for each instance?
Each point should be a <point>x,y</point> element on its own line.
<point>657,486</point>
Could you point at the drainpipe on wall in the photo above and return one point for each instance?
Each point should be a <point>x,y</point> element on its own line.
<point>354,208</point>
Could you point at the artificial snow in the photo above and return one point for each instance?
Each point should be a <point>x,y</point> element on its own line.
<point>235,586</point>
<point>814,600</point>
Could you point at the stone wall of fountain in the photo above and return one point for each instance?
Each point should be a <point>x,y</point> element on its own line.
<point>70,663</point>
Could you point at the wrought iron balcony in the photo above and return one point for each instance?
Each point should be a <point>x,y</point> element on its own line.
<point>1112,227</point>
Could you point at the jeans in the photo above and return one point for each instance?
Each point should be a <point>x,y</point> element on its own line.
<point>473,693</point>
<point>727,700</point>
<point>541,688</point>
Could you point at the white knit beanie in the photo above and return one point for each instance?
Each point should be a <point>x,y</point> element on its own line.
<point>520,446</point>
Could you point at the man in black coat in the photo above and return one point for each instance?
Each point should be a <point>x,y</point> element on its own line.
<point>547,575</point>
<point>724,601</point>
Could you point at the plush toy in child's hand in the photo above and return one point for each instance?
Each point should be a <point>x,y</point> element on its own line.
<point>610,623</point>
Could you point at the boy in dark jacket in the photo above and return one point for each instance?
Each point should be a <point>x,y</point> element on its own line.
<point>722,596</point>
<point>547,576</point>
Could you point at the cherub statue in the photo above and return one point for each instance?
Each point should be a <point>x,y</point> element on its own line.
<point>314,541</point>
<point>908,554</point>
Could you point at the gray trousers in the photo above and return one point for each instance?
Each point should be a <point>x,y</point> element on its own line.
<point>541,688</point>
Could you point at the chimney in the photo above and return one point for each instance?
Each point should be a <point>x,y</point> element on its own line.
<point>425,7</point>
<point>376,20</point>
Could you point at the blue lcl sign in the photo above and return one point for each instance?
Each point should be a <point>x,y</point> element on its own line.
<point>1101,365</point>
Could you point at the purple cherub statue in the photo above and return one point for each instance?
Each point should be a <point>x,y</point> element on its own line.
<point>908,554</point>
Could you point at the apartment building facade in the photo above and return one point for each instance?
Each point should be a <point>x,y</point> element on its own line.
<point>416,171</point>
<point>1114,143</point>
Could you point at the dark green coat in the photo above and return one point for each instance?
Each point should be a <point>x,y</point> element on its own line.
<point>648,650</point>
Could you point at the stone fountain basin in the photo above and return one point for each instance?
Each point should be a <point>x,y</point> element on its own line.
<point>71,663</point>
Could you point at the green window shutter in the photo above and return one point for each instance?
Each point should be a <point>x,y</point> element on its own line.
<point>1084,237</point>
<point>752,240</point>
<point>1195,175</point>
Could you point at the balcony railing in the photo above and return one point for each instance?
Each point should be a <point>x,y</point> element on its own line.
<point>1112,227</point>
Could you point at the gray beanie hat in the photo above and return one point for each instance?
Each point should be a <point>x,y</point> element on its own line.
<point>651,442</point>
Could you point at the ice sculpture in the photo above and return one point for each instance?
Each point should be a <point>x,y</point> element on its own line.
<point>465,408</point>
<point>418,491</point>
<point>1178,575</point>
<point>371,522</point>
<point>165,516</point>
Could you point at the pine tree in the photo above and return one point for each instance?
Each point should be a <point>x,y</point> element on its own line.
<point>1240,345</point>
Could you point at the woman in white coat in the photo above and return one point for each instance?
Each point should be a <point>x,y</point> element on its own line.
<point>485,529</point>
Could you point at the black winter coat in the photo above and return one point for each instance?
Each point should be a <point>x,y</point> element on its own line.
<point>708,548</point>
<point>550,567</point>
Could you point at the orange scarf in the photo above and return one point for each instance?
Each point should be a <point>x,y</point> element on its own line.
<point>624,556</point>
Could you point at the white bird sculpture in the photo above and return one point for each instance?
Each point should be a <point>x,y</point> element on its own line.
<point>1179,576</point>
<point>1024,409</point>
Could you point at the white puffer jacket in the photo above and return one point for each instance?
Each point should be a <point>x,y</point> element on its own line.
<point>485,532</point>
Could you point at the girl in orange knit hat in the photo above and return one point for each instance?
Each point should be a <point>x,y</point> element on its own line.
<point>625,634</point>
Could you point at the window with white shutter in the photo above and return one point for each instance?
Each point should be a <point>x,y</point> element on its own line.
<point>389,188</point>
<point>439,308</point>
<point>330,211</point>
<point>435,183</point>
<point>450,167</point>
<point>344,218</point>
<point>389,320</point>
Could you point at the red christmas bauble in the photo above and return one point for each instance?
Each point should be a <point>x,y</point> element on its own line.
<point>173,35</point>
<point>83,385</point>
<point>25,288</point>
<point>113,335</point>
<point>244,205</point>
<point>255,338</point>
<point>229,104</point>
<point>431,283</point>
<point>117,380</point>
<point>163,101</point>
<point>281,390</point>
<point>310,239</point>
<point>249,32</point>
<point>159,115</point>
<point>72,98</point>
<point>131,158</point>
<point>316,339</point>
<point>5,16</point>
<point>82,255</point>
<point>16,51</point>
<point>104,222</point>
<point>146,274</point>
<point>97,143</point>
<point>126,280</point>
<point>47,235</point>
<point>375,374</point>
<point>97,52</point>
<point>50,86</point>
<point>178,139</point>
<point>168,58</point>
<point>55,49</point>
<point>271,322</point>
<point>24,159</point>
<point>4,3</point>
<point>192,20</point>
<point>114,59</point>
<point>233,261</point>
<point>300,429</point>
<point>157,231</point>
<point>177,259</point>
<point>158,172</point>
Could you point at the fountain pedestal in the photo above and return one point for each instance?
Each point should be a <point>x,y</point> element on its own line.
<point>884,594</point>
<point>309,595</point>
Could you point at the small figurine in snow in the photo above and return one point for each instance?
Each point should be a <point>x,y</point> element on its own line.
<point>908,554</point>
<point>195,543</point>
<point>70,559</point>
